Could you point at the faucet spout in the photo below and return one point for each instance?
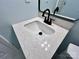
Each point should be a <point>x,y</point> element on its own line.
<point>56,10</point>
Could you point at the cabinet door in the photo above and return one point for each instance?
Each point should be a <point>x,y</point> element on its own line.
<point>8,51</point>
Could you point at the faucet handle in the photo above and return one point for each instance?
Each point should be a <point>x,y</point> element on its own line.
<point>52,19</point>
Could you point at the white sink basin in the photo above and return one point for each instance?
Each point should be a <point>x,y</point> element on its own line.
<point>39,40</point>
<point>37,26</point>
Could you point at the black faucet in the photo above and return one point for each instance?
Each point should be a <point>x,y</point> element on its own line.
<point>47,19</point>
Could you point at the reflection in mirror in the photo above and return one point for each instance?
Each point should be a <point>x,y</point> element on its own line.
<point>67,8</point>
<point>60,4</point>
<point>48,4</point>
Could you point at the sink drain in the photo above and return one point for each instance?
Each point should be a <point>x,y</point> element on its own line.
<point>40,33</point>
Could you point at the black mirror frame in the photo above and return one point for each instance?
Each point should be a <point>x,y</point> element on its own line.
<point>55,15</point>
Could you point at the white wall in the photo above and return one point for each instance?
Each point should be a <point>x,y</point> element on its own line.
<point>13,11</point>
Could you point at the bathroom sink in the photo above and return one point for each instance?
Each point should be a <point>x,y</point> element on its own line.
<point>39,27</point>
<point>39,40</point>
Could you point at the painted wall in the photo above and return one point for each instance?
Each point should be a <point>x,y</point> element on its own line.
<point>13,11</point>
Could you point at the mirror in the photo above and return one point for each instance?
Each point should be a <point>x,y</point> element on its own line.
<point>44,4</point>
<point>67,8</point>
